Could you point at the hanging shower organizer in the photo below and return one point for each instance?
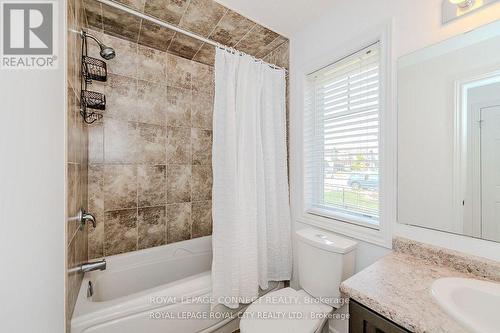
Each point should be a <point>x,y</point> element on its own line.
<point>90,101</point>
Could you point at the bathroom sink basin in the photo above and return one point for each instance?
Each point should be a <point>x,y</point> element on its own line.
<point>472,303</point>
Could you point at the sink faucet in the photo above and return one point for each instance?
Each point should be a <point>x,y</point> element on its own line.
<point>89,267</point>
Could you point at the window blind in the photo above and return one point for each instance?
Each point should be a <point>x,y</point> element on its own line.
<point>341,136</point>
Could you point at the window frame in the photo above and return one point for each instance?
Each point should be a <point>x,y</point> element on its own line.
<point>344,224</point>
<point>325,210</point>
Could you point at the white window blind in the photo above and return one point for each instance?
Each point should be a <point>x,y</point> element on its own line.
<point>342,139</point>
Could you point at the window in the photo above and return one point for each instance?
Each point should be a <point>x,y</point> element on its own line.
<point>341,133</point>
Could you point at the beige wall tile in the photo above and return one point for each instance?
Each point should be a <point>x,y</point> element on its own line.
<point>120,231</point>
<point>179,72</point>
<point>179,145</point>
<point>93,14</point>
<point>120,187</point>
<point>72,64</point>
<point>184,46</point>
<point>155,36</point>
<point>201,214</point>
<point>206,55</point>
<point>151,144</point>
<point>125,61</point>
<point>256,40</point>
<point>73,202</point>
<point>77,158</point>
<point>96,143</point>
<point>96,240</point>
<point>207,18</point>
<point>152,64</point>
<point>73,280</point>
<point>120,141</point>
<point>81,250</point>
<point>179,107</point>
<point>151,184</point>
<point>178,222</point>
<point>96,207</point>
<point>201,146</point>
<point>151,224</point>
<point>178,183</point>
<point>202,111</point>
<point>167,10</point>
<point>121,97</point>
<point>203,78</point>
<point>151,103</point>
<point>72,126</point>
<point>134,4</point>
<point>120,24</point>
<point>231,29</point>
<point>271,46</point>
<point>201,183</point>
<point>202,16</point>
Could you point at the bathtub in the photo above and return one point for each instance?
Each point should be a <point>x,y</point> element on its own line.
<point>165,289</point>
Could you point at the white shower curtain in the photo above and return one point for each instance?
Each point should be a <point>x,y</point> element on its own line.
<point>251,213</point>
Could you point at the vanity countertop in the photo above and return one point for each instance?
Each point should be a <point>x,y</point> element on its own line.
<point>398,286</point>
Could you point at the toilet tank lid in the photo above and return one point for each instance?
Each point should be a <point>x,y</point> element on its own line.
<point>326,240</point>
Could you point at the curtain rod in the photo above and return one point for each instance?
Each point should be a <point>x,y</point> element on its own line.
<point>179,30</point>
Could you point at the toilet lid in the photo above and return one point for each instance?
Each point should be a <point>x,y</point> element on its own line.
<point>284,310</point>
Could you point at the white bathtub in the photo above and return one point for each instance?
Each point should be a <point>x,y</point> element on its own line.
<point>154,290</point>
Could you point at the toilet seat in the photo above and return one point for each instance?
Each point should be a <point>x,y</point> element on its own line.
<point>284,310</point>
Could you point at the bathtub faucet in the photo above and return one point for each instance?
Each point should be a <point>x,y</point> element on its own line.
<point>93,266</point>
<point>90,266</point>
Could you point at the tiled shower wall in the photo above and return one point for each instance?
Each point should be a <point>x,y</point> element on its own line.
<point>150,174</point>
<point>77,159</point>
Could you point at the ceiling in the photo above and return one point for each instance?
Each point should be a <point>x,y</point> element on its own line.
<point>282,16</point>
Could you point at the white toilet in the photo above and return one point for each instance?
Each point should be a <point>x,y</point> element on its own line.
<point>324,261</point>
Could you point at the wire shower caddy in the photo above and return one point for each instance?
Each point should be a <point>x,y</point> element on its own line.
<point>92,69</point>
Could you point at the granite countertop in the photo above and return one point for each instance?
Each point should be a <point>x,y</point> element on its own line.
<point>398,286</point>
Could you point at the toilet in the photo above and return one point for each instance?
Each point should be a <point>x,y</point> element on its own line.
<point>324,261</point>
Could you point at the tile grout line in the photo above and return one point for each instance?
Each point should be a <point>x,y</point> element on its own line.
<point>276,48</point>
<point>211,32</point>
<point>137,205</point>
<point>171,41</point>
<point>102,16</point>
<point>178,25</point>
<point>103,183</point>
<point>139,32</point>
<point>183,14</point>
<point>245,35</point>
<point>259,54</point>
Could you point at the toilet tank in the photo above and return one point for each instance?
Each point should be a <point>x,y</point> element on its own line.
<point>324,261</point>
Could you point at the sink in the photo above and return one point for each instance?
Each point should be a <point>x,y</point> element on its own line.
<point>473,303</point>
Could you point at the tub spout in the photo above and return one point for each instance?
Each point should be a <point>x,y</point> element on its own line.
<point>89,267</point>
<point>93,266</point>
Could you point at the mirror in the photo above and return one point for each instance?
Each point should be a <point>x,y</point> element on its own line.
<point>449,135</point>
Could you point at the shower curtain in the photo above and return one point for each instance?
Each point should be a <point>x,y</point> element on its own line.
<point>251,213</point>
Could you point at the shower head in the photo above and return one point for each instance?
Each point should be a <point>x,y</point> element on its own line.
<point>107,52</point>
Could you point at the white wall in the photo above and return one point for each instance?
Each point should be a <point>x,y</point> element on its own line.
<point>32,200</point>
<point>416,24</point>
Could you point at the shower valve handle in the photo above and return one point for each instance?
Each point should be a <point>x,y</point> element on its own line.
<point>85,217</point>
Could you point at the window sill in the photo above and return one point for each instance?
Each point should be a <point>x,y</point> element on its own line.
<point>358,220</point>
<point>378,237</point>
